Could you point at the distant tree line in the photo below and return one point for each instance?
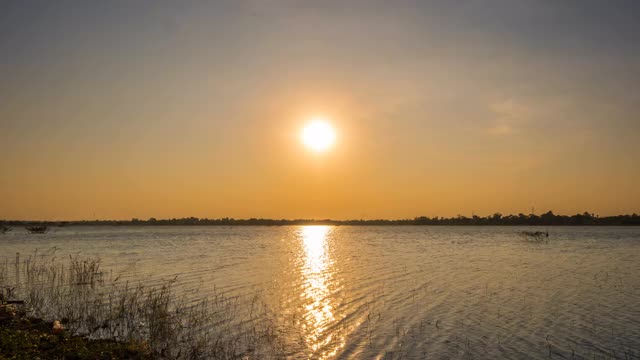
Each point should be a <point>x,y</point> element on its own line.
<point>547,219</point>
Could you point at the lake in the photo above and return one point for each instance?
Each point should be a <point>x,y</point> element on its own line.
<point>394,292</point>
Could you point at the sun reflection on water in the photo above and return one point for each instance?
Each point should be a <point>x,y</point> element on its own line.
<point>316,273</point>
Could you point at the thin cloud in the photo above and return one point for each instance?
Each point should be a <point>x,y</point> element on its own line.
<point>508,116</point>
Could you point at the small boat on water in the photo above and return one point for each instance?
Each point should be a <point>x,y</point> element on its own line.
<point>535,233</point>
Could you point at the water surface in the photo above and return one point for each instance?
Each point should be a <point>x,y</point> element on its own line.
<point>408,291</point>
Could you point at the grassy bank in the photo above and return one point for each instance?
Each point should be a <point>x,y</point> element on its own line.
<point>22,337</point>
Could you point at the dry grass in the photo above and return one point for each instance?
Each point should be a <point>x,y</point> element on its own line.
<point>92,303</point>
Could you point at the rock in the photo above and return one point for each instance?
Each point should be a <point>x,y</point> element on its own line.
<point>57,327</point>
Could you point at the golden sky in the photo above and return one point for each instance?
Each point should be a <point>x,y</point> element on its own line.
<point>115,110</point>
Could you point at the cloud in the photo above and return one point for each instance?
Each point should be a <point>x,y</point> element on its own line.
<point>508,116</point>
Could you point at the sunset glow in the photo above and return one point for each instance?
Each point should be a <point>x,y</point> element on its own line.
<point>393,110</point>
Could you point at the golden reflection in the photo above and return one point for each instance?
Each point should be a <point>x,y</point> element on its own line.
<point>317,269</point>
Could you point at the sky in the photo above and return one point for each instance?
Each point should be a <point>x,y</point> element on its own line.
<point>121,109</point>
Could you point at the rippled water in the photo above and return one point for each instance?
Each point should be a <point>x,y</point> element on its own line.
<point>412,292</point>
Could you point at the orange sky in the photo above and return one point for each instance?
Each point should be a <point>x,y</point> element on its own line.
<point>140,111</point>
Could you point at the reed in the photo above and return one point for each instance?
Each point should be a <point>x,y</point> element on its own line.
<point>90,302</point>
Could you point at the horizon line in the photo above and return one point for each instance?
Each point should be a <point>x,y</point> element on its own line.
<point>495,216</point>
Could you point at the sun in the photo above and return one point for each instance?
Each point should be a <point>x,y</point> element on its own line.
<point>318,135</point>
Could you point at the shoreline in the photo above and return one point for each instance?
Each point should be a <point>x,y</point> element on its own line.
<point>24,337</point>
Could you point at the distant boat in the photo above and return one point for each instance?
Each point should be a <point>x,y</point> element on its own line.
<point>37,229</point>
<point>535,233</point>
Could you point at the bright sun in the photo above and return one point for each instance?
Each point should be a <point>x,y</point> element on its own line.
<point>318,135</point>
